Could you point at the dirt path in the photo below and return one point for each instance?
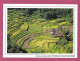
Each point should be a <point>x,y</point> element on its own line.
<point>26,43</point>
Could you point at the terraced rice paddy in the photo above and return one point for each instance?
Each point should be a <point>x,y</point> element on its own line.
<point>45,46</point>
<point>24,41</point>
<point>29,42</point>
<point>24,26</point>
<point>15,33</point>
<point>42,42</point>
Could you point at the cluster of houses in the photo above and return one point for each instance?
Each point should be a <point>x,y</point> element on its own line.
<point>57,31</point>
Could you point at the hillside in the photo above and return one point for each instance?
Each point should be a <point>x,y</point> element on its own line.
<point>40,30</point>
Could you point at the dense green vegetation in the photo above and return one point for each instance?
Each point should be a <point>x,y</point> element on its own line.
<point>29,30</point>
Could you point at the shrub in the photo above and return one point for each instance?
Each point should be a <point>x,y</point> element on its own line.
<point>70,37</point>
<point>68,48</point>
<point>62,20</point>
<point>66,32</point>
<point>16,49</point>
<point>62,41</point>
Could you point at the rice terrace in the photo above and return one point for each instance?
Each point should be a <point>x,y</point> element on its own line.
<point>40,30</point>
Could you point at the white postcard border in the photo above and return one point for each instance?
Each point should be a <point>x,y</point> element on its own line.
<point>40,55</point>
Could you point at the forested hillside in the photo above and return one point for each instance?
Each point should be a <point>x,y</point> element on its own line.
<point>39,30</point>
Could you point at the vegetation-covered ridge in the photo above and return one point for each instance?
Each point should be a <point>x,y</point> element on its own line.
<point>40,30</point>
